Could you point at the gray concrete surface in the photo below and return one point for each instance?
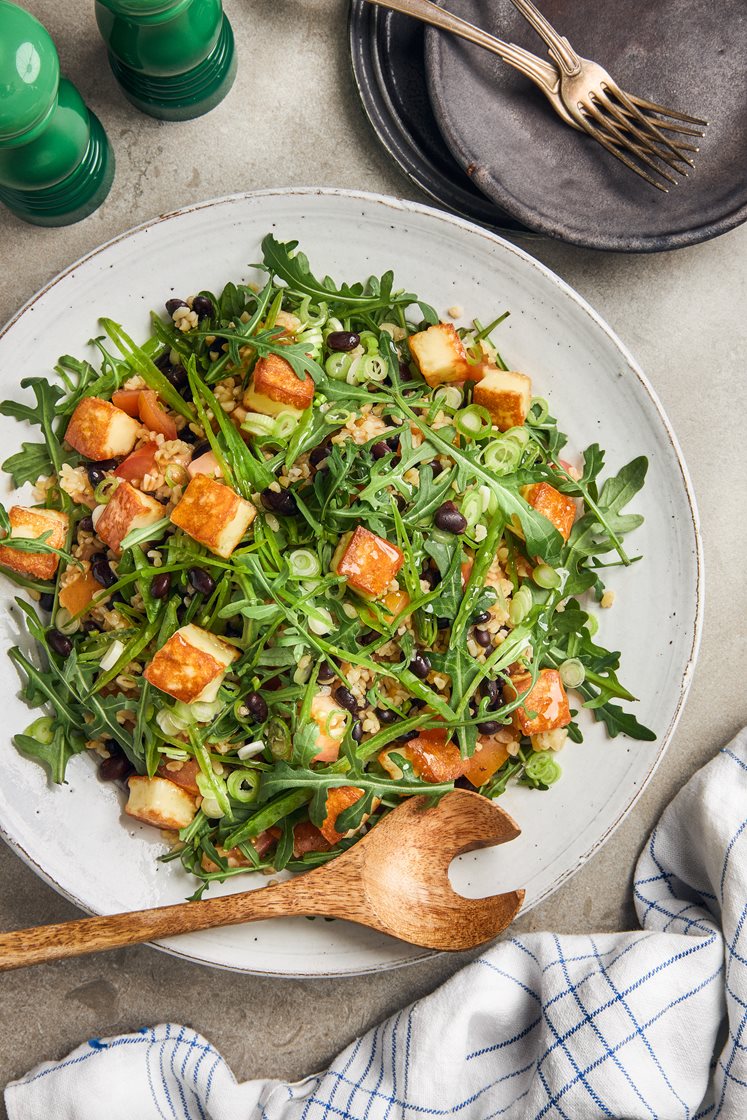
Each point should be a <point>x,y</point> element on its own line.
<point>293,118</point>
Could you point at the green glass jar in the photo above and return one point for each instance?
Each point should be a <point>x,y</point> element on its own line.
<point>56,165</point>
<point>173,59</point>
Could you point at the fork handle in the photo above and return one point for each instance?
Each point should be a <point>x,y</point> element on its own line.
<point>560,49</point>
<point>542,73</point>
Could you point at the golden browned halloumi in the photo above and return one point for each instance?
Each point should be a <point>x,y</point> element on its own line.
<point>32,523</point>
<point>275,387</point>
<point>159,802</point>
<point>213,514</point>
<point>127,509</point>
<point>368,563</point>
<point>191,665</point>
<point>547,701</point>
<point>99,430</point>
<point>439,354</point>
<point>506,395</point>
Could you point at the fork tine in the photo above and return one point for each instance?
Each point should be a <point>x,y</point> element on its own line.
<point>680,129</point>
<point>601,138</point>
<point>645,139</point>
<point>654,108</point>
<point>622,141</point>
<point>646,122</point>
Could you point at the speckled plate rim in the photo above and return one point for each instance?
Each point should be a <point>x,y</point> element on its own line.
<point>435,44</point>
<point>402,207</point>
<point>366,65</point>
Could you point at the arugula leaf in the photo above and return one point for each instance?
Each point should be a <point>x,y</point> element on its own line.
<point>141,363</point>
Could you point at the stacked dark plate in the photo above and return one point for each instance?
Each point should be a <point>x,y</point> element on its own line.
<point>484,143</point>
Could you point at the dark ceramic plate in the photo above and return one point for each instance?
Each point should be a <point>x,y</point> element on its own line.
<point>689,54</point>
<point>387,51</point>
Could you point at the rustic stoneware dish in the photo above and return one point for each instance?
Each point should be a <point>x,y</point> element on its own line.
<point>688,54</point>
<point>75,837</point>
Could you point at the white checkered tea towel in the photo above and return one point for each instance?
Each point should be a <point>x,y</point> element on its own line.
<point>637,1026</point>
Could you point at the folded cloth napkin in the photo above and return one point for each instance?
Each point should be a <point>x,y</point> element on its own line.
<point>630,1025</point>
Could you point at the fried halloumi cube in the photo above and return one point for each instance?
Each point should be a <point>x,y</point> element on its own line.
<point>439,354</point>
<point>547,702</point>
<point>127,509</point>
<point>191,665</point>
<point>368,563</point>
<point>213,514</point>
<point>99,430</point>
<point>331,719</point>
<point>558,508</point>
<point>275,387</point>
<point>159,802</point>
<point>490,754</point>
<point>29,524</point>
<point>506,395</point>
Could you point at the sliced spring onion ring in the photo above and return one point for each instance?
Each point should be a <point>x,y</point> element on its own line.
<point>450,395</point>
<point>572,673</point>
<point>473,422</point>
<point>520,605</point>
<point>547,577</point>
<point>243,785</point>
<point>304,564</point>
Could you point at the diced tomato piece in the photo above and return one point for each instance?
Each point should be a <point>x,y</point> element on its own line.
<point>155,418</point>
<point>186,777</point>
<point>339,799</point>
<point>467,566</point>
<point>308,838</point>
<point>128,400</point>
<point>138,464</point>
<point>491,753</point>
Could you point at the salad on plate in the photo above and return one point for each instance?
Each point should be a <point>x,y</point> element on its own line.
<point>306,551</point>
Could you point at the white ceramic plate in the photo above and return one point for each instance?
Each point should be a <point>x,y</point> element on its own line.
<point>75,836</point>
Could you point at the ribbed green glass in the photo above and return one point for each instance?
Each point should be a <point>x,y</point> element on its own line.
<point>172,60</point>
<point>56,165</point>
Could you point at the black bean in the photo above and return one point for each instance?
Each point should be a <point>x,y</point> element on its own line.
<point>379,450</point>
<point>173,304</point>
<point>342,341</point>
<point>216,346</point>
<point>203,307</point>
<point>116,767</point>
<point>346,699</point>
<point>420,666</point>
<point>176,376</point>
<point>235,626</point>
<point>493,693</point>
<point>201,580</point>
<point>437,468</point>
<point>101,570</point>
<point>320,453</point>
<point>60,643</point>
<point>478,619</point>
<point>86,523</point>
<point>449,519</point>
<point>283,503</point>
<point>46,600</point>
<point>386,716</point>
<point>405,370</point>
<point>96,475</point>
<point>357,731</point>
<point>443,623</point>
<point>489,727</point>
<point>200,448</point>
<point>160,585</point>
<point>188,436</point>
<point>326,674</point>
<point>407,736</point>
<point>392,442</point>
<point>483,638</point>
<point>432,576</point>
<point>416,703</point>
<point>366,637</point>
<point>91,627</point>
<point>256,706</point>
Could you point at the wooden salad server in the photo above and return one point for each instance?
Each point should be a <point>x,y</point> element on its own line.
<point>395,880</point>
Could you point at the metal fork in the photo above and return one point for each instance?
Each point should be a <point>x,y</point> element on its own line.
<point>614,118</point>
<point>545,76</point>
